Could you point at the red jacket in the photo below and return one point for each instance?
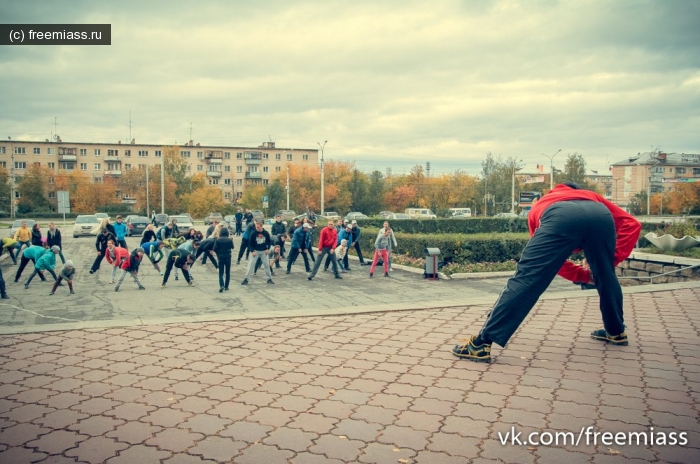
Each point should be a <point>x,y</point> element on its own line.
<point>627,227</point>
<point>328,238</point>
<point>119,253</point>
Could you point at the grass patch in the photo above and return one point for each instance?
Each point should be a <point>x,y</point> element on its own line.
<point>455,268</point>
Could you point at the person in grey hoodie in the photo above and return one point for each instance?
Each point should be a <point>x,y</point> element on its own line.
<point>381,246</point>
<point>392,241</point>
<point>66,273</point>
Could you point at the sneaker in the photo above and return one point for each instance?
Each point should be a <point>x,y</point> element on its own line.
<point>272,273</point>
<point>160,274</point>
<point>221,290</point>
<point>91,271</point>
<point>244,282</point>
<point>269,281</point>
<point>601,334</point>
<point>177,278</point>
<point>72,292</point>
<point>226,289</point>
<point>371,275</point>
<point>162,286</point>
<point>480,353</point>
<point>5,297</point>
<point>112,282</point>
<point>116,289</point>
<point>141,287</point>
<point>238,262</point>
<point>285,273</point>
<point>338,276</point>
<point>386,274</point>
<point>26,286</point>
<point>190,283</point>
<point>17,280</point>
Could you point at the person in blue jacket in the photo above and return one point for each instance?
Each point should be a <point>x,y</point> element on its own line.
<point>300,245</point>
<point>120,230</point>
<point>47,262</point>
<point>32,253</point>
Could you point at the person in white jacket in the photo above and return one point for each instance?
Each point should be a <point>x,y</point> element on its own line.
<point>392,240</point>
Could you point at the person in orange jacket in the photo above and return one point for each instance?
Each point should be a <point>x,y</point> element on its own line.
<point>565,220</point>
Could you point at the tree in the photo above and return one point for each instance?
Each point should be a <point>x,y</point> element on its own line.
<point>400,197</point>
<point>133,184</point>
<point>5,191</point>
<point>252,196</point>
<point>203,201</point>
<point>176,169</point>
<point>358,188</point>
<point>638,203</point>
<point>684,199</point>
<point>34,189</point>
<point>276,196</point>
<point>575,170</point>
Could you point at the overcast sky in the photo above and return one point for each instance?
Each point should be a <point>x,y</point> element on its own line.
<point>387,83</point>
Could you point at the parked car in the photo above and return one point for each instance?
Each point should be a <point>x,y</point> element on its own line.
<point>161,219</point>
<point>355,215</point>
<point>461,216</point>
<point>420,213</point>
<point>101,216</point>
<point>84,224</point>
<point>287,214</point>
<point>183,222</point>
<point>136,225</point>
<point>398,216</point>
<point>211,217</point>
<point>18,223</point>
<point>258,215</point>
<point>385,214</point>
<point>506,215</point>
<point>331,215</point>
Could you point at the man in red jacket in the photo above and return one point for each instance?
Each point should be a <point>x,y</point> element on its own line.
<point>327,242</point>
<point>565,220</point>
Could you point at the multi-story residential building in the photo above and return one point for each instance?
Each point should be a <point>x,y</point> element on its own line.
<point>653,172</point>
<point>230,168</point>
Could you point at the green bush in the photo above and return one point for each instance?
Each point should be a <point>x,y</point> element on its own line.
<point>459,248</point>
<point>450,226</point>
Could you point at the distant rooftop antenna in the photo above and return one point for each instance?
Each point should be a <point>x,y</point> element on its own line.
<point>129,124</point>
<point>190,131</point>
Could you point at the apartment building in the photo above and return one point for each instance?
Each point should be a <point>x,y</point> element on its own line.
<point>653,172</point>
<point>230,168</point>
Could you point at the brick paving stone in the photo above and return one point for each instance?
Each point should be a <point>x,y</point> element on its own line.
<point>335,447</point>
<point>379,453</point>
<point>34,395</point>
<point>375,414</point>
<point>432,457</point>
<point>21,455</point>
<point>629,416</point>
<point>19,434</point>
<point>272,416</point>
<point>63,400</point>
<point>256,398</point>
<point>205,424</point>
<point>57,441</point>
<point>680,409</point>
<point>493,449</point>
<point>27,412</point>
<point>574,396</point>
<point>552,454</point>
<point>357,430</point>
<point>159,399</point>
<point>420,421</point>
<point>330,408</point>
<point>485,399</point>
<point>175,440</point>
<point>195,404</point>
<point>185,387</point>
<point>166,417</point>
<point>351,397</point>
<point>573,409</point>
<point>405,390</point>
<point>139,453</point>
<point>182,458</point>
<point>366,385</point>
<point>96,405</point>
<point>130,411</point>
<point>313,423</point>
<point>330,382</point>
<point>404,437</point>
<point>466,427</point>
<point>96,449</point>
<point>390,401</point>
<point>291,439</point>
<point>433,406</point>
<point>309,458</point>
<point>96,425</point>
<point>218,449</point>
<point>293,403</point>
<point>246,431</point>
<point>133,432</point>
<point>258,453</point>
<point>60,419</point>
<point>529,404</point>
<point>445,394</point>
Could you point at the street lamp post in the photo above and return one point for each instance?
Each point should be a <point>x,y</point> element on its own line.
<point>12,178</point>
<point>551,168</point>
<point>162,183</point>
<point>615,198</point>
<point>322,178</point>
<point>512,190</point>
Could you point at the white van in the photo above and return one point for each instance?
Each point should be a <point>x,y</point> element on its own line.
<point>461,211</point>
<point>420,213</point>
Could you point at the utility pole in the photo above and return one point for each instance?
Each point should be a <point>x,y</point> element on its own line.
<point>551,168</point>
<point>322,178</point>
<point>148,198</point>
<point>162,183</point>
<point>287,186</point>
<point>12,178</point>
<point>512,190</point>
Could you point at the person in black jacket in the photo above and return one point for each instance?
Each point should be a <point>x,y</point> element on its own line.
<point>181,259</point>
<point>259,244</point>
<point>278,228</point>
<point>149,235</point>
<point>101,247</point>
<point>53,237</point>
<point>223,247</point>
<point>206,248</point>
<point>239,222</point>
<point>36,235</point>
<point>248,217</point>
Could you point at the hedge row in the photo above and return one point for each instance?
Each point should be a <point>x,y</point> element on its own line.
<point>459,248</point>
<point>450,226</point>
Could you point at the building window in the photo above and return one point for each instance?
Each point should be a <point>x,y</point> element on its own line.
<point>278,157</point>
<point>127,167</point>
<point>127,152</point>
<point>159,153</point>
<point>265,156</point>
<point>83,166</point>
<point>37,151</point>
<point>227,168</point>
<point>265,169</point>
<point>239,168</point>
<point>97,180</point>
<point>51,151</point>
<point>200,154</point>
<point>20,151</point>
<point>97,166</point>
<point>265,181</point>
<point>3,164</point>
<point>20,165</point>
<point>227,181</point>
<point>52,165</point>
<point>278,169</point>
<point>227,155</point>
<point>97,152</point>
<point>185,154</point>
<point>680,171</point>
<point>239,155</point>
<point>239,181</point>
<point>696,171</point>
<point>305,157</point>
<point>143,153</point>
<point>213,181</point>
<point>17,194</point>
<point>2,150</point>
<point>112,152</point>
<point>52,194</point>
<point>51,180</point>
<point>83,152</point>
<point>289,157</point>
<point>227,195</point>
<point>200,167</point>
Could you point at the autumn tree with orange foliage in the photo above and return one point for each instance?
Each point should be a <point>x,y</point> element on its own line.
<point>205,200</point>
<point>684,199</point>
<point>133,184</point>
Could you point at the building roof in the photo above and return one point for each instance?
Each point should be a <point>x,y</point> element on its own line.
<point>653,158</point>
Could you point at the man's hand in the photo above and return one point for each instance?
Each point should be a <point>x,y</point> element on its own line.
<point>254,255</point>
